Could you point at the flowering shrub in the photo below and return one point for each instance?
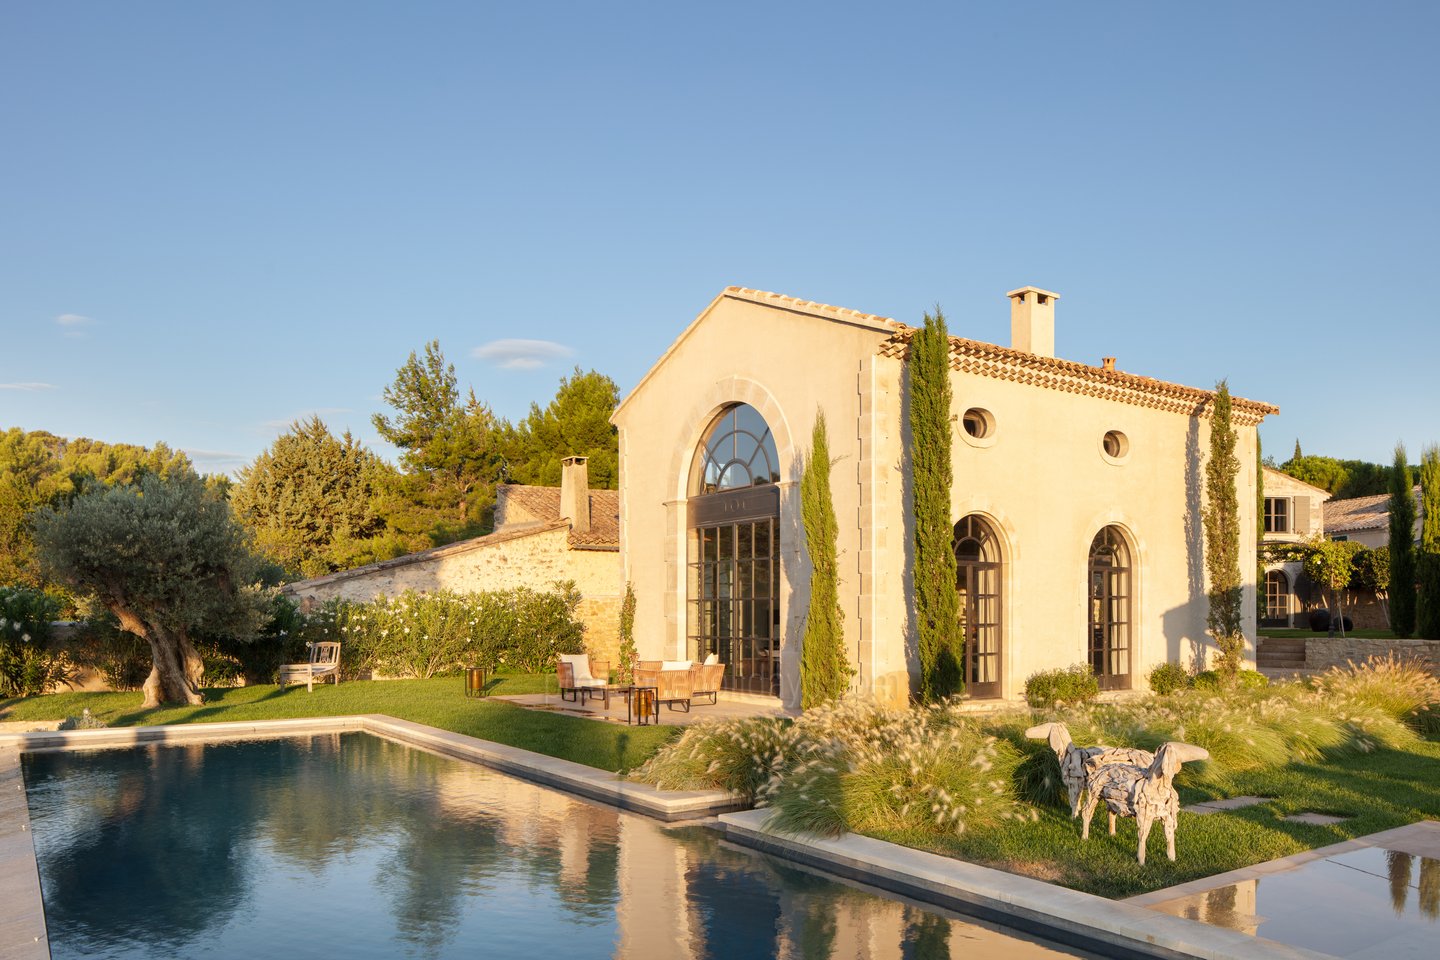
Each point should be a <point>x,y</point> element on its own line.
<point>422,635</point>
<point>27,665</point>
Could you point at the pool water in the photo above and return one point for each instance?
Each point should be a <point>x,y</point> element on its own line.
<point>350,845</point>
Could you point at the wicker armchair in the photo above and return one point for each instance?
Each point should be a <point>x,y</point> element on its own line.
<point>577,674</point>
<point>675,685</point>
<point>708,677</point>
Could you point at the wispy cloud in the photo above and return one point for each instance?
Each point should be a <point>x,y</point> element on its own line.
<point>216,461</point>
<point>521,354</point>
<point>73,325</point>
<point>27,386</point>
<point>321,412</point>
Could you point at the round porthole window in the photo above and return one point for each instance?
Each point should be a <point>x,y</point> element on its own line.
<point>977,427</point>
<point>1115,445</point>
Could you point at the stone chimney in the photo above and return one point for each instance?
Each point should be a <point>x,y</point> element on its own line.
<point>1032,320</point>
<point>1108,363</point>
<point>575,493</point>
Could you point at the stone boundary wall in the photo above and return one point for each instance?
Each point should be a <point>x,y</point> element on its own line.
<point>1322,653</point>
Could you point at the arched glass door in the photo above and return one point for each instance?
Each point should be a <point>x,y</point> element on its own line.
<point>978,578</point>
<point>1109,589</point>
<point>734,551</point>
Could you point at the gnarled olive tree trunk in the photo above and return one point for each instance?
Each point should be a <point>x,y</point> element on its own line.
<point>176,669</point>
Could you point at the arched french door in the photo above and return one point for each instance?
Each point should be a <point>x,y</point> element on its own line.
<point>1277,599</point>
<point>979,578</point>
<point>1110,588</point>
<point>734,551</point>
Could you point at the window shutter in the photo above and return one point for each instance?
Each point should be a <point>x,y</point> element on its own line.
<point>1300,522</point>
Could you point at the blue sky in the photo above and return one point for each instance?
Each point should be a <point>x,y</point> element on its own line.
<point>220,217</point>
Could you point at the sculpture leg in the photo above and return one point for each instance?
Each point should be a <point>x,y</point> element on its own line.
<point>1169,823</point>
<point>1090,803</point>
<point>1112,822</point>
<point>1143,821</point>
<point>1076,791</point>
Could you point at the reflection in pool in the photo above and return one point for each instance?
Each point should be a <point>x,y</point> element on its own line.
<point>1366,902</point>
<point>347,844</point>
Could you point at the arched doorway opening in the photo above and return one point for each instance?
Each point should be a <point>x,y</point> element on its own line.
<point>1277,599</point>
<point>1110,588</point>
<point>734,551</point>
<point>979,578</point>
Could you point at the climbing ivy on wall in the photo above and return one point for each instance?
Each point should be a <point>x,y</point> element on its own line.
<point>937,604</point>
<point>825,669</point>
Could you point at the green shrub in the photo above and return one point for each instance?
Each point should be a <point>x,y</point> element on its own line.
<point>1048,688</point>
<point>1169,677</point>
<point>1214,680</point>
<point>27,664</point>
<point>120,657</point>
<point>422,635</point>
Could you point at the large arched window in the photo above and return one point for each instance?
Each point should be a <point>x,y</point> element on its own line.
<point>738,451</point>
<point>978,578</point>
<point>1109,588</point>
<point>734,551</point>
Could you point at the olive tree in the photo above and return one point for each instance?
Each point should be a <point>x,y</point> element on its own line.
<point>166,558</point>
<point>1331,563</point>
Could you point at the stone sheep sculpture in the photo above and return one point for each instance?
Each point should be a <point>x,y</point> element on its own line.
<point>1078,763</point>
<point>1145,793</point>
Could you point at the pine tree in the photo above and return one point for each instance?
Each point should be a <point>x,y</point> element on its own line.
<point>937,603</point>
<point>1222,536</point>
<point>1402,546</point>
<point>1427,619</point>
<point>825,669</point>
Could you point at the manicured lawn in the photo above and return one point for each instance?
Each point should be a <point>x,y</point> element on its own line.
<point>1378,791</point>
<point>438,702</point>
<point>1283,633</point>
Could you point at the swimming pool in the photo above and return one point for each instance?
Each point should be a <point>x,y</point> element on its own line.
<point>347,844</point>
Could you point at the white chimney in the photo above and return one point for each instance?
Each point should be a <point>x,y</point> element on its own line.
<point>575,493</point>
<point>1032,320</point>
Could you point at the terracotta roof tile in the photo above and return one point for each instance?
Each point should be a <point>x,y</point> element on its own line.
<point>1361,513</point>
<point>1005,363</point>
<point>543,505</point>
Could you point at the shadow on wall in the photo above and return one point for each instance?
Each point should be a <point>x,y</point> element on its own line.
<point>1182,646</point>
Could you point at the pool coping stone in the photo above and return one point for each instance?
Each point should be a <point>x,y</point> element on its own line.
<point>1110,928</point>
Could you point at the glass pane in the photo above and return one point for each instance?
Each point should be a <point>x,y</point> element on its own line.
<point>762,538</point>
<point>762,578</point>
<point>727,542</point>
<point>708,536</point>
<point>746,546</point>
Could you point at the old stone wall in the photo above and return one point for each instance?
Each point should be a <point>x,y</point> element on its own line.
<point>1322,653</point>
<point>535,559</point>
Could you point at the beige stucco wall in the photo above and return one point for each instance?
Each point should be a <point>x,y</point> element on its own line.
<point>1044,482</point>
<point>536,561</point>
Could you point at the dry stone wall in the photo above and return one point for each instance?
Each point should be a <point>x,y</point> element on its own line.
<point>537,560</point>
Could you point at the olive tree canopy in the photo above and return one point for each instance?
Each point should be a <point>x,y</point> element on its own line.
<point>166,558</point>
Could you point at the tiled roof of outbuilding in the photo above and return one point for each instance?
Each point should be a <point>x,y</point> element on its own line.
<point>1361,513</point>
<point>543,503</point>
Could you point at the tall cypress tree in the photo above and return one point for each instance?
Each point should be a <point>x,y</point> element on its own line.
<point>1402,546</point>
<point>824,667</point>
<point>937,602</point>
<point>1222,536</point>
<point>1427,619</point>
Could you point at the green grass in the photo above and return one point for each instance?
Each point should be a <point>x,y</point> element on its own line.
<point>438,702</point>
<point>1377,791</point>
<point>1285,633</point>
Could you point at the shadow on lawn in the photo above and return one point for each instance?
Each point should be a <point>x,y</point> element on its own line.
<point>214,708</point>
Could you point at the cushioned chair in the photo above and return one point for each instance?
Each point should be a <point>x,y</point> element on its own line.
<point>577,674</point>
<point>674,680</point>
<point>708,677</point>
<point>324,664</point>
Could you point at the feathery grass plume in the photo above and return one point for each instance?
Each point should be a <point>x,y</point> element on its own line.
<point>1403,689</point>
<point>739,755</point>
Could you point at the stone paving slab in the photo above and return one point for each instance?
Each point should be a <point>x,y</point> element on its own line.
<point>22,915</point>
<point>1111,929</point>
<point>1230,803</point>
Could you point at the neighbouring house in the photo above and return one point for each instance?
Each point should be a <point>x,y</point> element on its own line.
<point>542,535</point>
<point>1076,501</point>
<point>1295,511</point>
<point>1365,519</point>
